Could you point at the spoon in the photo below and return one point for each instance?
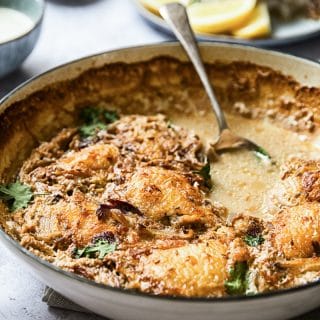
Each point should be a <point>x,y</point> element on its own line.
<point>176,16</point>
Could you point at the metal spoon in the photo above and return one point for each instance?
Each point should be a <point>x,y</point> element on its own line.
<point>176,16</point>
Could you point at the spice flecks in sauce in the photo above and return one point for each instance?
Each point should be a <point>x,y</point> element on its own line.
<point>241,180</point>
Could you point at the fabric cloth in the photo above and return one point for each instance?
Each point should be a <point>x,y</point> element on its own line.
<point>56,300</point>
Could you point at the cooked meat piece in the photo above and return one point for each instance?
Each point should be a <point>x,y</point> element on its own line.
<point>297,223</point>
<point>297,231</point>
<point>47,153</point>
<point>137,184</point>
<point>152,139</point>
<point>299,184</point>
<point>300,266</point>
<point>41,221</point>
<point>160,193</point>
<point>78,216</point>
<point>89,160</point>
<point>83,163</point>
<point>311,185</point>
<point>303,176</point>
<point>191,270</point>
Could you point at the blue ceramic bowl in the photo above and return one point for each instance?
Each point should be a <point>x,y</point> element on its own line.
<point>15,51</point>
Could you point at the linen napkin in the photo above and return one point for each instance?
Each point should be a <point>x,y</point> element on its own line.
<point>56,300</point>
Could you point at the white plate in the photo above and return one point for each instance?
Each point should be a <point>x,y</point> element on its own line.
<point>282,32</point>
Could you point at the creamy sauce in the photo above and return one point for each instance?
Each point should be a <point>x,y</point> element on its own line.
<point>241,180</point>
<point>13,24</point>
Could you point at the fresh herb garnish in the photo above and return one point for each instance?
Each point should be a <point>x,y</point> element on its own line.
<point>90,115</point>
<point>95,119</point>
<point>238,279</point>
<point>100,247</point>
<point>89,130</point>
<point>16,195</point>
<point>253,241</point>
<point>110,116</point>
<point>204,172</point>
<point>262,154</point>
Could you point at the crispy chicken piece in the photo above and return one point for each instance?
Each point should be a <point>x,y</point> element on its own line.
<point>40,220</point>
<point>47,153</point>
<point>160,193</point>
<point>191,270</point>
<point>83,163</point>
<point>152,139</point>
<point>297,231</point>
<point>78,217</point>
<point>73,217</point>
<point>87,168</point>
<point>296,225</point>
<point>90,159</point>
<point>301,178</point>
<point>301,265</point>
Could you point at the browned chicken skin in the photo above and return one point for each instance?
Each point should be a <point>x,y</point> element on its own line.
<point>161,193</point>
<point>138,183</point>
<point>297,224</point>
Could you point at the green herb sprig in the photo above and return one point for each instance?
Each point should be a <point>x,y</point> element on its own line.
<point>263,155</point>
<point>253,241</point>
<point>89,130</point>
<point>237,283</point>
<point>95,119</point>
<point>100,247</point>
<point>110,116</point>
<point>16,195</point>
<point>204,172</point>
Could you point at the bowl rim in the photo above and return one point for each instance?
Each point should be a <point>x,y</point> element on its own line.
<point>37,23</point>
<point>72,276</point>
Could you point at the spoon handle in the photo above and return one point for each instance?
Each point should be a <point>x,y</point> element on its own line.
<point>176,16</point>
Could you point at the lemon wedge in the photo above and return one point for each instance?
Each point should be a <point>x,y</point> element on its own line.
<point>218,16</point>
<point>258,25</point>
<point>154,5</point>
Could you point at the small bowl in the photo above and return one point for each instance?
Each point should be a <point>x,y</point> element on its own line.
<point>15,51</point>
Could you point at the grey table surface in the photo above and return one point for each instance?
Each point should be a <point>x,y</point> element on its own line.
<point>73,29</point>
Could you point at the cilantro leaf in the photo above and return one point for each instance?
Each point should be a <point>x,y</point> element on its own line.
<point>95,119</point>
<point>110,116</point>
<point>88,130</point>
<point>262,154</point>
<point>100,247</point>
<point>238,279</point>
<point>90,115</point>
<point>16,195</point>
<point>253,241</point>
<point>204,172</point>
